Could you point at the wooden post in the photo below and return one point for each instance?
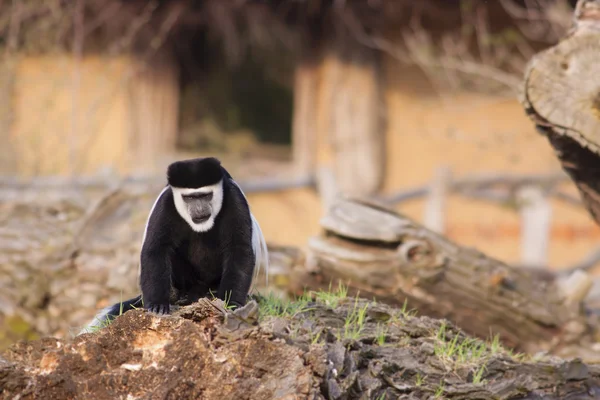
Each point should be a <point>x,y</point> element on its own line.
<point>154,119</point>
<point>304,129</point>
<point>9,155</point>
<point>536,214</point>
<point>327,187</point>
<point>356,127</point>
<point>435,205</point>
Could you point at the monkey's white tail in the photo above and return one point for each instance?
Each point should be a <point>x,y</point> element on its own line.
<point>260,251</point>
<point>259,245</point>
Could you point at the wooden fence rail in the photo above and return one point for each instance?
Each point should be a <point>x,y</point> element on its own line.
<point>529,193</point>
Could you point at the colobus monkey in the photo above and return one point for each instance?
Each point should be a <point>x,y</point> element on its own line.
<point>200,238</point>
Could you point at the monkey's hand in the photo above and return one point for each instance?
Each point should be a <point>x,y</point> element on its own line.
<point>160,309</point>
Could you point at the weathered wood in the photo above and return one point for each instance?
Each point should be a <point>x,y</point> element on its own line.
<point>141,183</point>
<point>326,186</point>
<point>380,253</point>
<point>356,120</point>
<point>304,128</point>
<point>154,113</point>
<point>9,157</point>
<point>435,216</point>
<point>536,214</point>
<point>561,94</point>
<point>576,287</point>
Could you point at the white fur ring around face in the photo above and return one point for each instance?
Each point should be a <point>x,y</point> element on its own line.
<point>216,204</point>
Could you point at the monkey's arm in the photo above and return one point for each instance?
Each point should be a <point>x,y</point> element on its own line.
<point>155,280</point>
<point>155,273</point>
<point>238,267</point>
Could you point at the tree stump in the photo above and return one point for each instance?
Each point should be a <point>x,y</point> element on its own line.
<point>561,94</point>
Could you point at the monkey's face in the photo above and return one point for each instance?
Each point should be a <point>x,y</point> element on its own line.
<point>199,206</point>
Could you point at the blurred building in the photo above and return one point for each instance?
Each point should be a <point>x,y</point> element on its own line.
<point>363,102</point>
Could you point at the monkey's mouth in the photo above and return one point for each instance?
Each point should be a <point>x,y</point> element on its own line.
<point>200,219</point>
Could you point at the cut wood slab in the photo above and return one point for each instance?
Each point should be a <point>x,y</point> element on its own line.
<point>561,94</point>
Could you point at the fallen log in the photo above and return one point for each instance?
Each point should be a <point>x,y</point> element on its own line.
<point>326,347</point>
<point>379,253</point>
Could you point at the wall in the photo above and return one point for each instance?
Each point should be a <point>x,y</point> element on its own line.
<point>81,117</point>
<point>471,134</point>
<point>475,134</point>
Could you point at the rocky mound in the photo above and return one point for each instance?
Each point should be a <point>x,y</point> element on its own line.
<point>328,347</point>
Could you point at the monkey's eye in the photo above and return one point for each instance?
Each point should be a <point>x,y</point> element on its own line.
<point>197,196</point>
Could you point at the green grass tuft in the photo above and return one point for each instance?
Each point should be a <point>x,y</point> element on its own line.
<point>381,334</point>
<point>332,298</point>
<point>469,352</point>
<point>272,305</point>
<point>354,322</point>
<point>419,380</point>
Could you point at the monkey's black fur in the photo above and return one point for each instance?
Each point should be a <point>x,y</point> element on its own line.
<point>117,309</point>
<point>180,265</point>
<point>195,173</point>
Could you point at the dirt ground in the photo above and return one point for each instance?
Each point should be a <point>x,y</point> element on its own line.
<point>329,347</point>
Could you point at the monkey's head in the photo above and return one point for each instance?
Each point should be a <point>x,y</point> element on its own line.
<point>197,187</point>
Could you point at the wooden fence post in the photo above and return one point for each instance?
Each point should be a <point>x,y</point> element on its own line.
<point>536,213</point>
<point>326,186</point>
<point>435,213</point>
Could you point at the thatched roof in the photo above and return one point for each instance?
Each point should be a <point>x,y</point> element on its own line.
<point>124,25</point>
<point>469,30</point>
